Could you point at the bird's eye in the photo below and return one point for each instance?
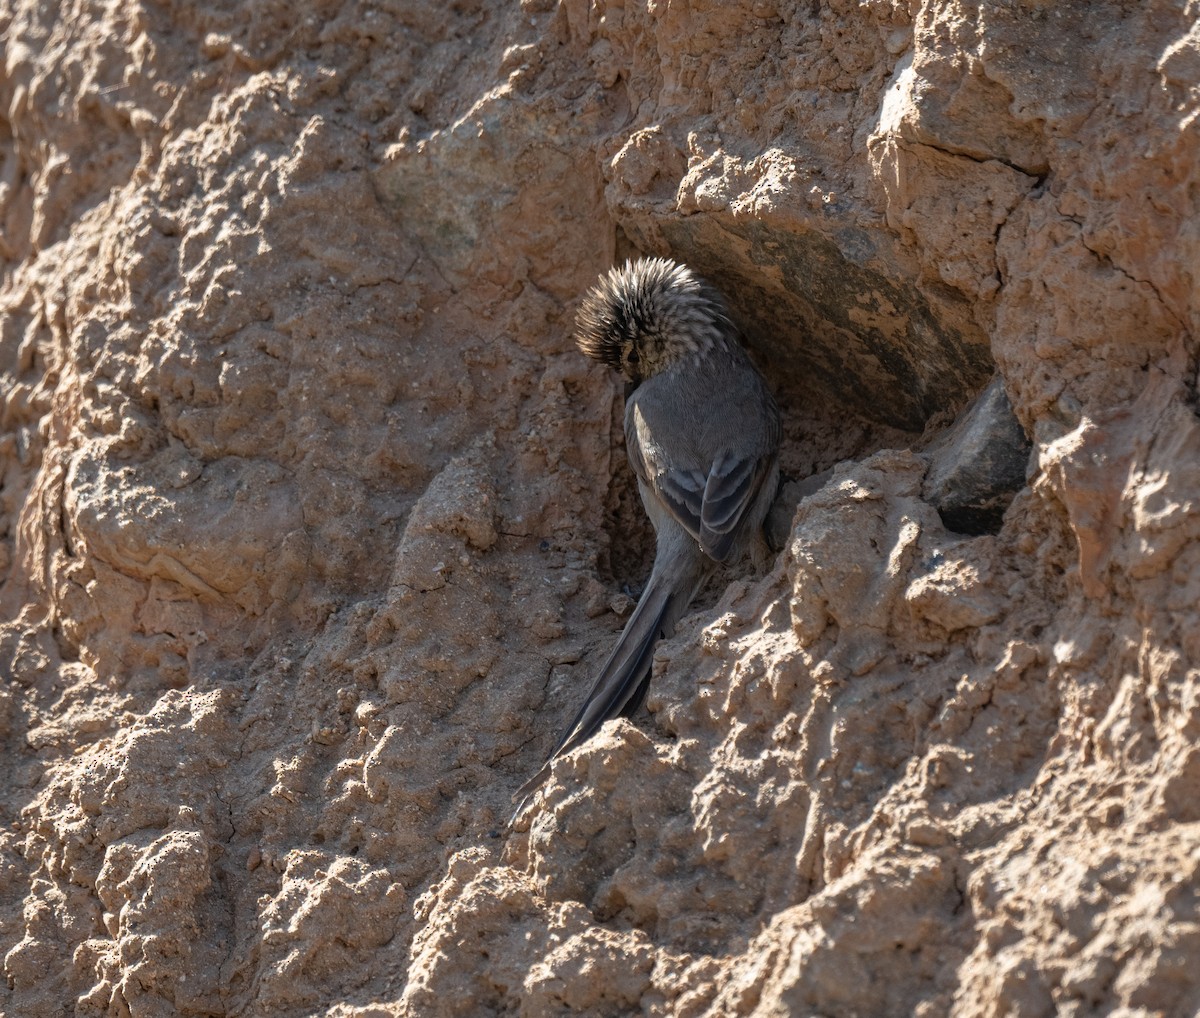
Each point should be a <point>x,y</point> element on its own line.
<point>633,357</point>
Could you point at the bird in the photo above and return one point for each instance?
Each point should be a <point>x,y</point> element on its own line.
<point>702,435</point>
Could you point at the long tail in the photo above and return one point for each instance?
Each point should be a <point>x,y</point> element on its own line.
<point>622,682</point>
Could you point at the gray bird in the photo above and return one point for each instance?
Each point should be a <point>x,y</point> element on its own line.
<point>702,435</point>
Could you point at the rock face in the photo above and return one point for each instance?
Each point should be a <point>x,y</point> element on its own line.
<point>313,522</point>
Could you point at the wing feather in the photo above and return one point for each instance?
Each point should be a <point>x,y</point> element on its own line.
<point>710,502</point>
<point>728,497</point>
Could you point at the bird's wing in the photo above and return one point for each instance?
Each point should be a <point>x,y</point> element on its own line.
<point>681,493</point>
<point>710,503</point>
<point>729,492</point>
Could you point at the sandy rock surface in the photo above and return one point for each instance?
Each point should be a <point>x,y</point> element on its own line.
<point>314,527</point>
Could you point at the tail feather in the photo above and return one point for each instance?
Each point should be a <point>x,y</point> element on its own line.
<point>622,682</point>
<point>621,677</point>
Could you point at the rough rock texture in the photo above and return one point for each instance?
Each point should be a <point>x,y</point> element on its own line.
<point>314,527</point>
<point>977,466</point>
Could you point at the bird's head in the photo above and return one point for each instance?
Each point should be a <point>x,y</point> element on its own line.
<point>648,315</point>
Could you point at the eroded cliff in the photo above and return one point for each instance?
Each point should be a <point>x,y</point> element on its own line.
<point>314,526</point>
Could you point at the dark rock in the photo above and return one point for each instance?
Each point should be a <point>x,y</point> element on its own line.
<point>978,466</point>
